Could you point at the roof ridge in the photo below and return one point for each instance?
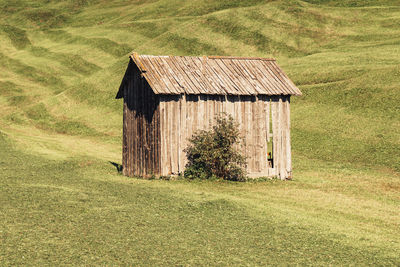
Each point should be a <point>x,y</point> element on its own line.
<point>212,57</point>
<point>243,58</point>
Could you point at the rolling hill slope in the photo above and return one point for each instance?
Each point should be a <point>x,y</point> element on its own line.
<point>60,66</point>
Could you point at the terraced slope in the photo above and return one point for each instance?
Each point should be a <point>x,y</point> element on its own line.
<point>60,67</point>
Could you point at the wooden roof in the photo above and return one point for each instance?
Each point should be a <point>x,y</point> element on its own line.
<point>213,75</point>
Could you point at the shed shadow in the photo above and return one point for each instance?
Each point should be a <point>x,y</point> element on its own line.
<point>116,165</point>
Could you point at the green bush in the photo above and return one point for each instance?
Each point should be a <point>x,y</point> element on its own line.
<point>215,153</point>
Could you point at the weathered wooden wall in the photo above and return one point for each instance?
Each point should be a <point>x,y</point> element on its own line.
<point>141,127</point>
<point>182,115</point>
<point>156,128</point>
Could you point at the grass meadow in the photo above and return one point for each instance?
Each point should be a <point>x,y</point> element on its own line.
<point>62,202</point>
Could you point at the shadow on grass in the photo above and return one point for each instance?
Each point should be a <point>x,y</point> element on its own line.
<point>118,166</point>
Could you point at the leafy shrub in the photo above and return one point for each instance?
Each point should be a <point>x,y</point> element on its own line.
<point>215,153</point>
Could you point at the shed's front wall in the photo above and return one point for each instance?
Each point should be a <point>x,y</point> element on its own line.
<point>182,115</point>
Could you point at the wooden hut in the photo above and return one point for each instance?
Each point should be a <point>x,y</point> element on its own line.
<point>168,98</point>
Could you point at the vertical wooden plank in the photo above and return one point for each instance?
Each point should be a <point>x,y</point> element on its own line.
<point>169,134</point>
<point>164,160</point>
<point>230,107</point>
<point>178,141</point>
<point>185,130</point>
<point>142,129</point>
<point>134,91</point>
<point>128,132</point>
<point>223,103</point>
<point>174,122</point>
<point>152,133</point>
<point>200,113</point>
<point>134,129</point>
<point>153,141</point>
<point>137,136</point>
<point>279,137</point>
<point>217,106</point>
<point>210,107</point>
<point>263,134</point>
<point>283,171</point>
<point>288,140</point>
<point>149,129</point>
<point>159,138</point>
<point>167,138</point>
<point>254,130</point>
<point>135,146</point>
<point>157,157</point>
<point>267,106</point>
<point>138,123</point>
<point>242,128</point>
<point>124,140</point>
<point>174,110</point>
<point>214,108</point>
<point>181,134</point>
<point>238,115</point>
<point>153,147</point>
<point>131,122</point>
<point>209,119</point>
<point>275,133</point>
<point>206,121</point>
<point>269,128</point>
<point>177,135</point>
<point>188,117</point>
<point>145,128</point>
<point>259,143</point>
<point>249,132</point>
<point>195,113</point>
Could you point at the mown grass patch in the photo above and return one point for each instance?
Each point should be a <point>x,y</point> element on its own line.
<point>43,119</point>
<point>39,76</point>
<point>80,211</point>
<point>262,42</point>
<point>9,88</point>
<point>73,62</point>
<point>45,18</point>
<point>61,69</point>
<point>188,46</point>
<point>17,36</point>
<point>355,3</point>
<point>103,44</point>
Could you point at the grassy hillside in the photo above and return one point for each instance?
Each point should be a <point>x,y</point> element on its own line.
<point>60,127</point>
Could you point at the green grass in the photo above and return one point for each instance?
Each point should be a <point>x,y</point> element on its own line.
<point>63,202</point>
<point>79,211</point>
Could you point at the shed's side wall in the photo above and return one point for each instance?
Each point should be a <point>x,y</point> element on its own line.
<point>141,126</point>
<point>182,115</point>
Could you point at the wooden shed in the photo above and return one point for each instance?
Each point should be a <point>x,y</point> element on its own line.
<point>168,98</point>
